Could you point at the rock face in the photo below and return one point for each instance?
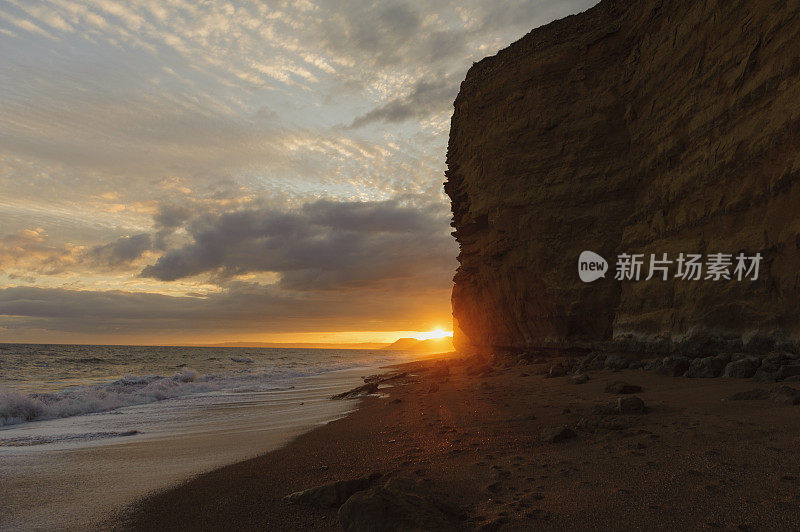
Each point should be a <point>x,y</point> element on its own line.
<point>634,127</point>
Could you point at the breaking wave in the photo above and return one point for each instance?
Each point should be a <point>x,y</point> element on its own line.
<point>131,390</point>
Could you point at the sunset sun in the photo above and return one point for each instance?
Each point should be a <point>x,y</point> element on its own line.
<point>436,333</point>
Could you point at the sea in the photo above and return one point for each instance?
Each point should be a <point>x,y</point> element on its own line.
<point>86,430</point>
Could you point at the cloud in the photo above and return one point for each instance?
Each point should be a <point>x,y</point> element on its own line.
<point>170,216</point>
<point>424,100</point>
<point>241,308</point>
<point>244,150</point>
<point>324,245</point>
<point>30,251</point>
<point>124,251</point>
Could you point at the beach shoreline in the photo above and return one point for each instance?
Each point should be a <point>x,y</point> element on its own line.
<point>489,443</point>
<point>76,481</point>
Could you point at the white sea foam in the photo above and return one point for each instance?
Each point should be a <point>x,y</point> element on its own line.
<point>51,382</point>
<point>127,391</point>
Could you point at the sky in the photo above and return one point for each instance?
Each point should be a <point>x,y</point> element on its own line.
<point>181,171</point>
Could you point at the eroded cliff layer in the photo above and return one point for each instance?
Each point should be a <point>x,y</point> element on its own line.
<point>635,127</point>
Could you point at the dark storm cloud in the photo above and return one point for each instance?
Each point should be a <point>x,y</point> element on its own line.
<point>121,252</point>
<point>322,246</point>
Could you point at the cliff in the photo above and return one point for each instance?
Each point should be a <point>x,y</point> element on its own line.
<point>634,127</point>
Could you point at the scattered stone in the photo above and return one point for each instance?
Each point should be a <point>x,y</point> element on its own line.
<point>741,368</point>
<point>707,367</point>
<point>332,495</point>
<point>400,505</point>
<point>630,405</point>
<point>580,378</point>
<point>558,434</point>
<point>621,387</point>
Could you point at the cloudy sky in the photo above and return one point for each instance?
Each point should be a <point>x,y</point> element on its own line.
<point>203,171</point>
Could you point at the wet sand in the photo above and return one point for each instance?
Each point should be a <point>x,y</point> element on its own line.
<point>694,460</point>
<point>75,486</point>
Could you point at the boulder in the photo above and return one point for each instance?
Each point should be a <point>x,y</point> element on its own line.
<point>741,368</point>
<point>767,372</point>
<point>707,367</point>
<point>674,366</point>
<point>615,363</point>
<point>332,495</point>
<point>400,505</point>
<point>630,405</point>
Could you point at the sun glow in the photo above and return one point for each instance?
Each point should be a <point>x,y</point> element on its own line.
<point>437,333</point>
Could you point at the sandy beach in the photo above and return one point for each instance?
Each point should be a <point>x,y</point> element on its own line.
<point>505,448</point>
<point>74,484</point>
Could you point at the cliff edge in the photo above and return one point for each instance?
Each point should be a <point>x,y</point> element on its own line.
<point>643,127</point>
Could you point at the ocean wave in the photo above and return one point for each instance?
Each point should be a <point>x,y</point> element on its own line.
<point>246,377</point>
<point>128,391</point>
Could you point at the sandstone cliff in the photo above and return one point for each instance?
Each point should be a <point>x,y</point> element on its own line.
<point>635,127</point>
